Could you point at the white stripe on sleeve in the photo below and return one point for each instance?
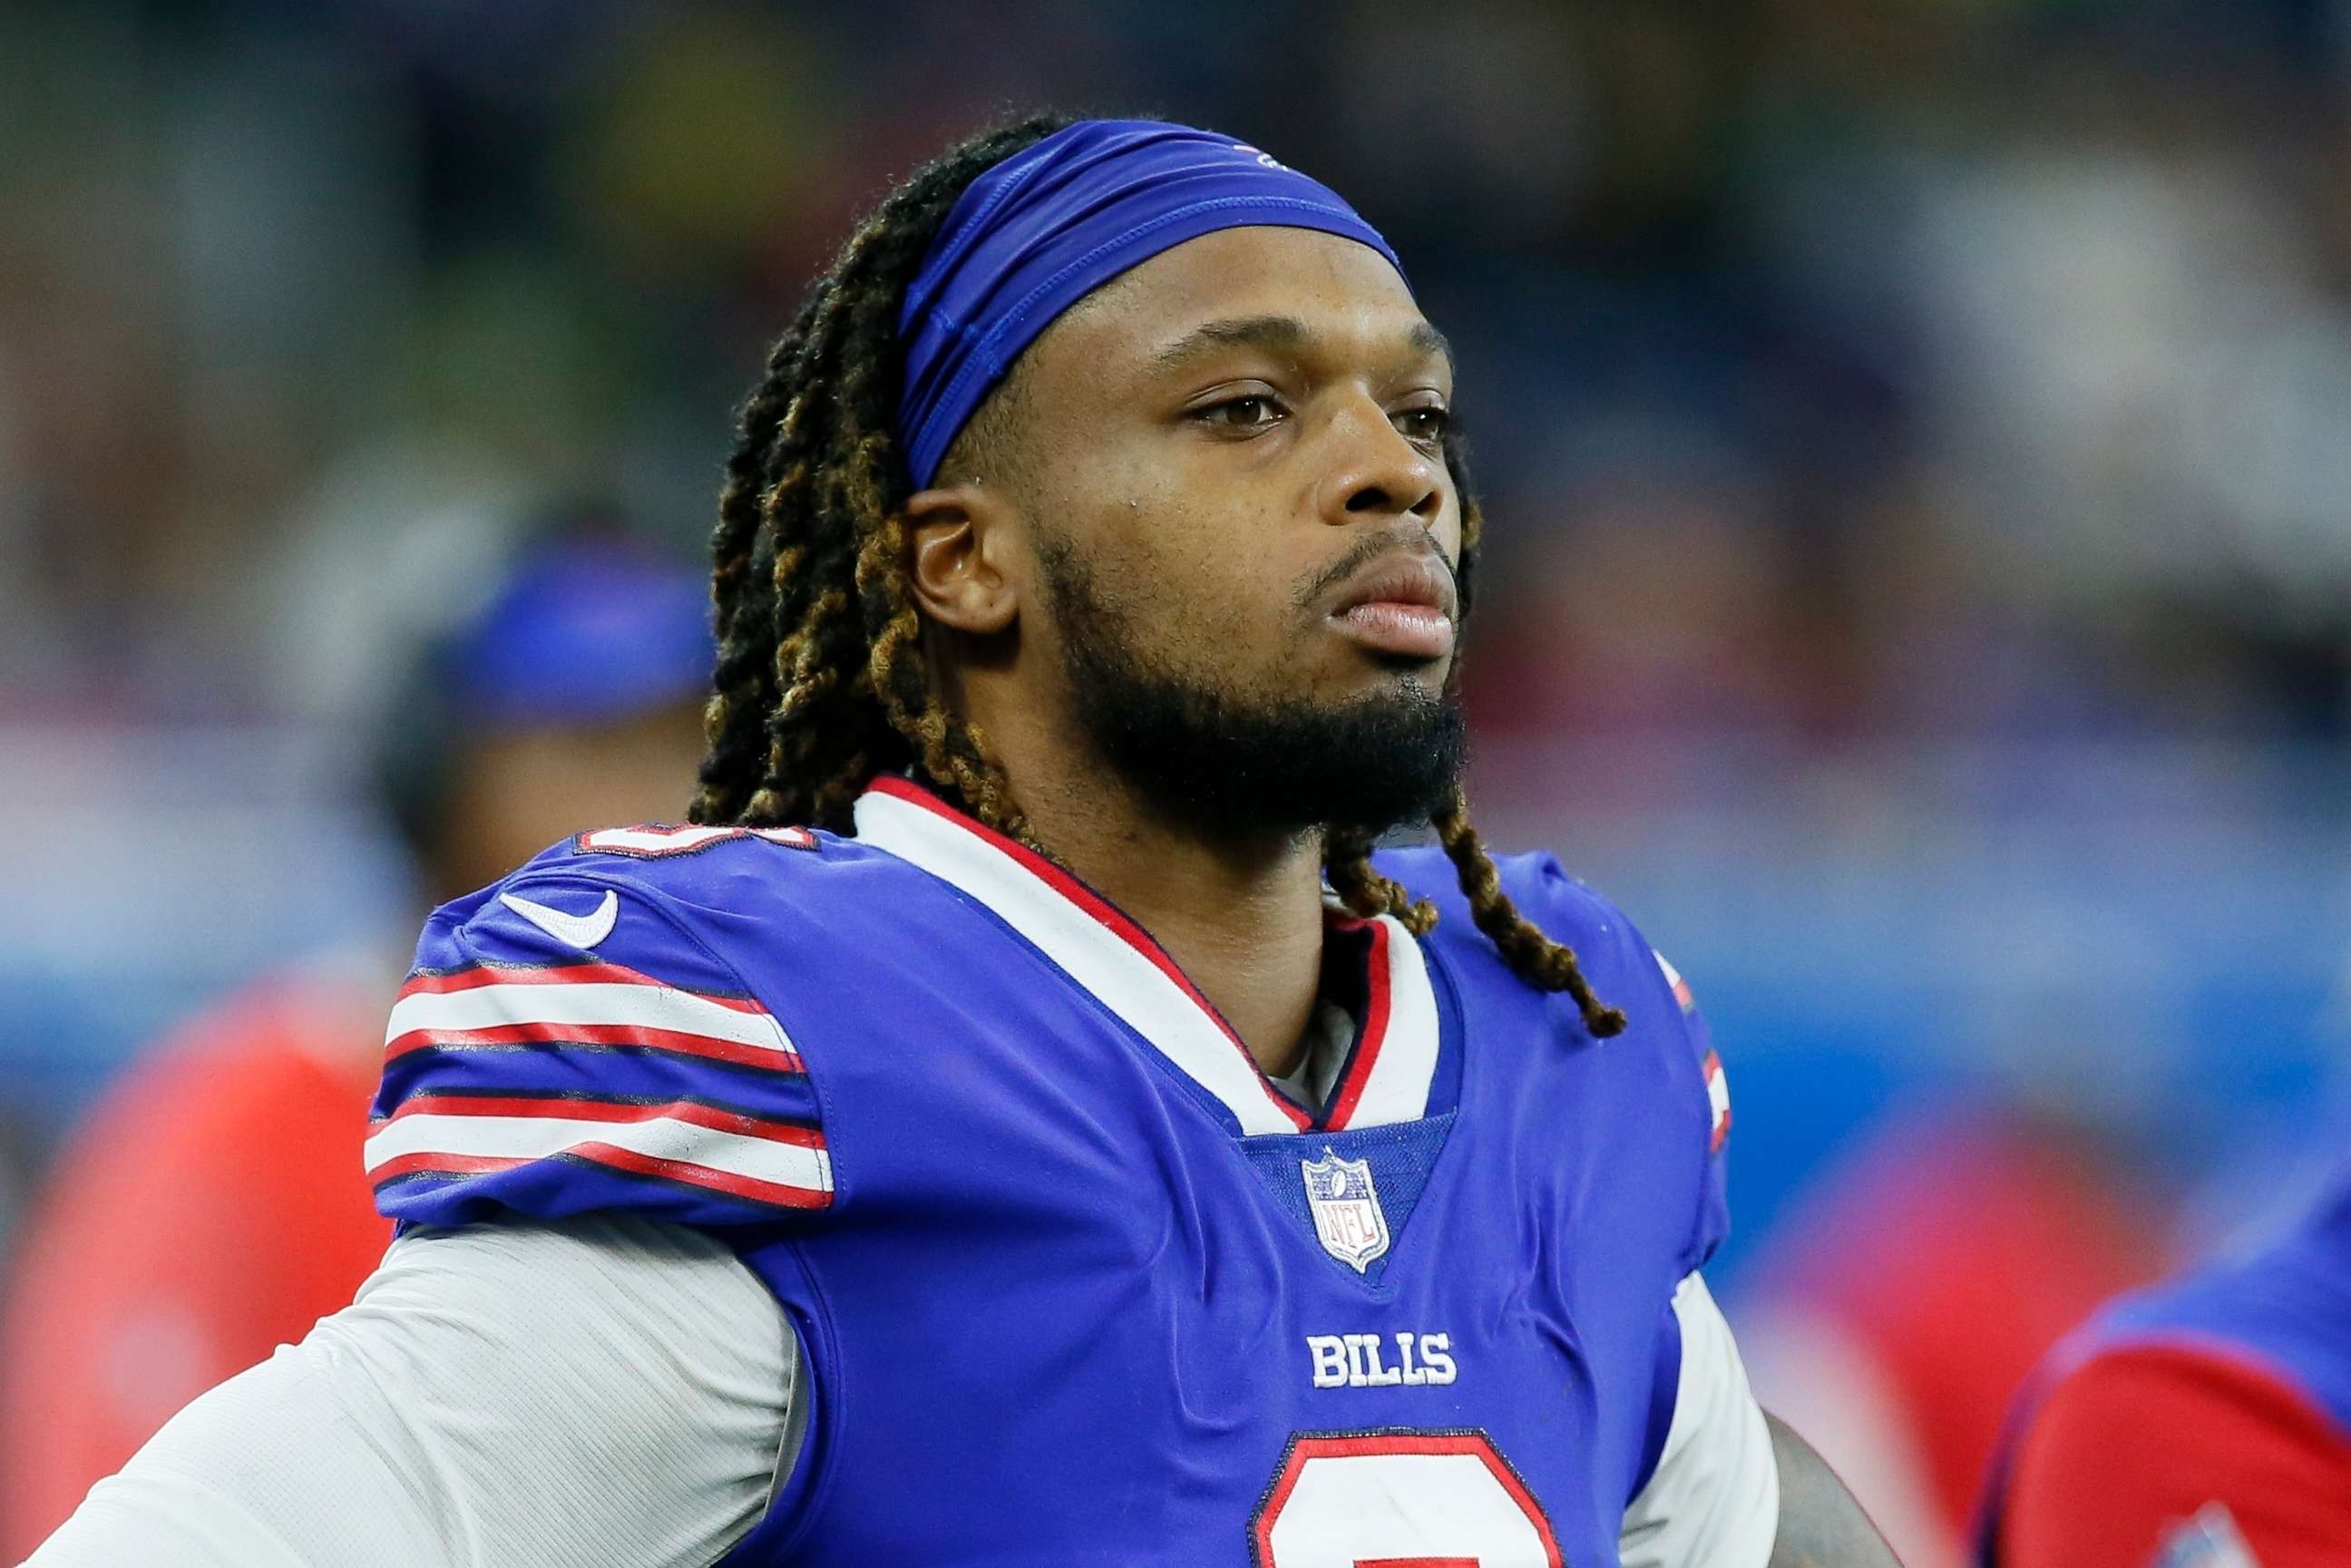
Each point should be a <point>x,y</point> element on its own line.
<point>592,1004</point>
<point>767,1160</point>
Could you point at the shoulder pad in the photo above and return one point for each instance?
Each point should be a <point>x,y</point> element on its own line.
<point>1621,965</point>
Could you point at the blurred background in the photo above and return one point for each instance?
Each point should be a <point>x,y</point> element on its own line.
<point>1917,438</point>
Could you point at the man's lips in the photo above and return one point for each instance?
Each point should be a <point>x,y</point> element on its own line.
<point>1398,604</point>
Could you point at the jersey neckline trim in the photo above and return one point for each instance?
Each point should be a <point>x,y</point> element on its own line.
<point>1104,951</point>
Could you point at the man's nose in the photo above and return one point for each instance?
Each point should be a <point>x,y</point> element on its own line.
<point>1376,472</point>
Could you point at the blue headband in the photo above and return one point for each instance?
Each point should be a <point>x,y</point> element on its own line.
<point>1048,227</point>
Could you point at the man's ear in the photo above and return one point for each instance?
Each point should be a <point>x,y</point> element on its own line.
<point>962,539</point>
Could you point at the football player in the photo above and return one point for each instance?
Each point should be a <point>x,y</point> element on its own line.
<point>1020,1120</point>
<point>2203,1423</point>
<point>211,1205</point>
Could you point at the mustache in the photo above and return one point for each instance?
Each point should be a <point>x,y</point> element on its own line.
<point>1371,547</point>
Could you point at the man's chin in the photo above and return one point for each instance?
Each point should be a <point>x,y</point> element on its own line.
<point>1384,757</point>
<point>1419,681</point>
<point>1363,741</point>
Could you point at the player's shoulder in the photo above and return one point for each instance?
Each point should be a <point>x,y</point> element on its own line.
<point>1615,956</point>
<point>1663,1061</point>
<point>2252,1352</point>
<point>2097,1464</point>
<point>620,1024</point>
<point>2284,1306</point>
<point>2141,1388</point>
<point>710,867</point>
<point>692,902</point>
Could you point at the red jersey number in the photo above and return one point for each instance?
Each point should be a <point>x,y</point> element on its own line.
<point>1399,1499</point>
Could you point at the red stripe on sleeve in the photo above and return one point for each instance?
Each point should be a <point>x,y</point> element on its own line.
<point>478,975</point>
<point>563,1109</point>
<point>735,1053</point>
<point>726,1182</point>
<point>749,1188</point>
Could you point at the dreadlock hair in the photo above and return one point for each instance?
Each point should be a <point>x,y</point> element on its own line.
<point>820,683</point>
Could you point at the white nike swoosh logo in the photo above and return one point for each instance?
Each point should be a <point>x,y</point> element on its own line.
<point>581,931</point>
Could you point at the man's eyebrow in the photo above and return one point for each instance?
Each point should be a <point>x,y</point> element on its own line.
<point>1274,332</point>
<point>1281,334</point>
<point>1426,339</point>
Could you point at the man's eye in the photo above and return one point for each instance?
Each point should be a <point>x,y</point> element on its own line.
<point>1253,413</point>
<point>1424,424</point>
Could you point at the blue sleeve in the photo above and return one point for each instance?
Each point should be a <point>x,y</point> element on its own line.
<point>568,1042</point>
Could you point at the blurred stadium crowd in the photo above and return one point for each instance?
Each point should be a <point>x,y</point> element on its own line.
<point>1917,438</point>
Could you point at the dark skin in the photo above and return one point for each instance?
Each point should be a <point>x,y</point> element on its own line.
<point>1821,1526</point>
<point>517,789</point>
<point>1202,514</point>
<point>1226,424</point>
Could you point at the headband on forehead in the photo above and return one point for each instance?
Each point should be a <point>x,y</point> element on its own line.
<point>1047,227</point>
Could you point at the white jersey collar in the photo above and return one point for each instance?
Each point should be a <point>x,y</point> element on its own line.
<point>1386,1077</point>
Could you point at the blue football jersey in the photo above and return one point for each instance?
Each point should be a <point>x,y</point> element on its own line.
<point>1075,1283</point>
<point>2281,1312</point>
<point>2285,1309</point>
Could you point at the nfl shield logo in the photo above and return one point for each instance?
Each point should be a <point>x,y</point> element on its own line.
<point>2208,1540</point>
<point>1347,1208</point>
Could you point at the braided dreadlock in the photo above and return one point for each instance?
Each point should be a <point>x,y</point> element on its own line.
<point>819,683</point>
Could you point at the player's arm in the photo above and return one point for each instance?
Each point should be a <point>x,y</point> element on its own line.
<point>1820,1525</point>
<point>1730,1486</point>
<point>559,1363</point>
<point>1733,1485</point>
<point>2103,1477</point>
<point>601,1390</point>
<point>1712,1499</point>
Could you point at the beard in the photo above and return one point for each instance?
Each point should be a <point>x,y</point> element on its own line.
<point>1238,763</point>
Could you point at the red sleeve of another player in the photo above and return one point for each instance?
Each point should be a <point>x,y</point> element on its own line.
<point>2134,1442</point>
<point>210,1207</point>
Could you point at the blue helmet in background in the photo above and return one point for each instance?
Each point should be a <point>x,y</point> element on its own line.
<point>587,625</point>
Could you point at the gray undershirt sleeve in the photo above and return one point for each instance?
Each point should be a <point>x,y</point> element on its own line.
<point>599,1391</point>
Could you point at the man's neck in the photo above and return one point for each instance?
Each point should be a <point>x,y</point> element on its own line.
<point>1242,917</point>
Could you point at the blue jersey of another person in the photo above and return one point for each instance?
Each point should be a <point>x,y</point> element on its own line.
<point>2256,1351</point>
<point>2286,1309</point>
<point>1073,1281</point>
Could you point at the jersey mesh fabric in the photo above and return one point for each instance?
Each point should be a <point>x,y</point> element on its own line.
<point>1400,1157</point>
